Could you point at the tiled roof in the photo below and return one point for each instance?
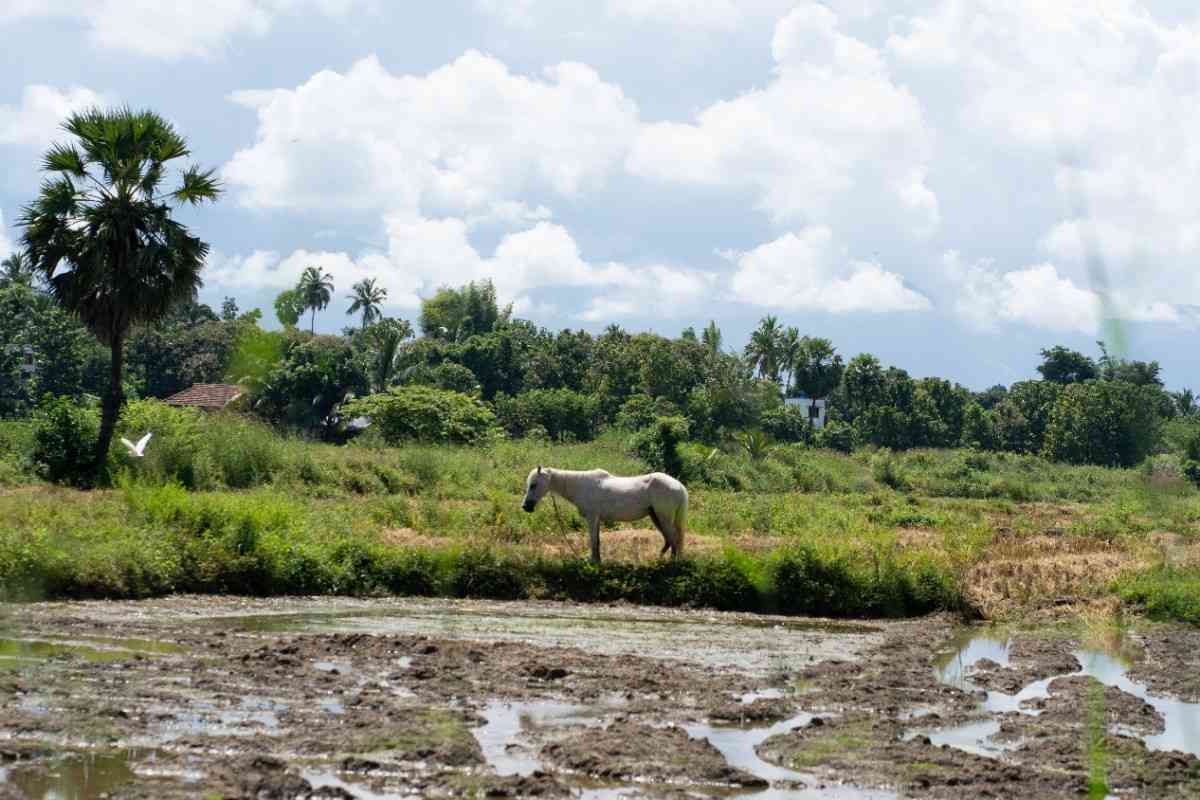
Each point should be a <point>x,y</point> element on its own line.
<point>206,395</point>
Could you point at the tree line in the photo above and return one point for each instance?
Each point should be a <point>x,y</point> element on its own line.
<point>102,296</point>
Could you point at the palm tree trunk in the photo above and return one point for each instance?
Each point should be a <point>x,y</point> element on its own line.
<point>312,325</point>
<point>110,408</point>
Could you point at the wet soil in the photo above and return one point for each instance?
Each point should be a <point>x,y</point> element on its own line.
<point>304,698</point>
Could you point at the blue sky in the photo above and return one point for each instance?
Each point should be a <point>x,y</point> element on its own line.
<point>926,180</point>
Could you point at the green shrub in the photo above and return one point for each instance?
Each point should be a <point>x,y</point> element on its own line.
<point>64,440</point>
<point>885,468</point>
<point>562,413</point>
<point>836,435</point>
<point>1108,423</point>
<point>454,377</point>
<point>658,445</point>
<point>16,451</point>
<point>426,414</point>
<point>242,451</point>
<point>788,424</point>
<point>174,449</point>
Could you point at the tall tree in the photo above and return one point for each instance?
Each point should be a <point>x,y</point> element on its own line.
<point>817,367</point>
<point>289,306</point>
<point>789,356</point>
<point>16,270</point>
<point>102,236</point>
<point>762,352</point>
<point>1062,365</point>
<point>368,299</point>
<point>316,290</point>
<point>711,337</point>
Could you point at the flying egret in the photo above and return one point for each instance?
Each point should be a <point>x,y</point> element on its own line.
<point>137,450</point>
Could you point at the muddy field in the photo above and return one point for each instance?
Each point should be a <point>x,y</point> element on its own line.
<point>219,697</point>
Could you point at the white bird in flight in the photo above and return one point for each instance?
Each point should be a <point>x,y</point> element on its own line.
<point>137,450</point>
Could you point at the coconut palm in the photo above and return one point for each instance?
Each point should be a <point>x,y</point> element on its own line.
<point>790,348</point>
<point>367,298</point>
<point>316,290</point>
<point>16,270</point>
<point>762,352</point>
<point>1185,400</point>
<point>101,234</point>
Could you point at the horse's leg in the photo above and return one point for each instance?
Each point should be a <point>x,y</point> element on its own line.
<point>658,524</point>
<point>594,537</point>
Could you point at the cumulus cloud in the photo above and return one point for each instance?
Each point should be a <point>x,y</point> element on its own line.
<point>424,254</point>
<point>808,272</point>
<point>171,30</point>
<point>35,120</point>
<point>1104,99</point>
<point>1039,296</point>
<point>469,137</point>
<point>831,122</point>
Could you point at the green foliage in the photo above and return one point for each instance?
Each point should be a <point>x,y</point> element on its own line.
<point>457,314</point>
<point>658,444</point>
<point>787,423</point>
<point>64,438</point>
<point>367,299</point>
<point>315,291</point>
<point>979,428</point>
<point>426,414</point>
<point>116,257</point>
<point>305,388</point>
<point>836,435</point>
<point>561,413</point>
<point>1164,592</point>
<point>887,471</point>
<point>1103,422</point>
<point>289,306</point>
<point>1064,366</point>
<point>16,452</point>
<point>449,376</point>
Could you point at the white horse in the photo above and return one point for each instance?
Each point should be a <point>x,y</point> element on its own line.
<point>601,496</point>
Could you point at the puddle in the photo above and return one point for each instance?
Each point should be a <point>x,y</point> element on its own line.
<point>98,650</point>
<point>77,777</point>
<point>331,705</point>
<point>761,694</point>
<point>498,736</point>
<point>257,716</point>
<point>333,667</point>
<point>743,644</point>
<point>1182,720</point>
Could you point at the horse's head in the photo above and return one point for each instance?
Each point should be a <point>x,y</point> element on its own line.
<point>536,487</point>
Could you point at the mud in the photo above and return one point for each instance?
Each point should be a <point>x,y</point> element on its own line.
<point>297,698</point>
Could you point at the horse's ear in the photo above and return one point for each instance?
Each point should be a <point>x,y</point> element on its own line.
<point>539,469</point>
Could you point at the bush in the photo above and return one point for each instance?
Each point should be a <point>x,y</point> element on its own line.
<point>836,435</point>
<point>427,414</point>
<point>562,413</point>
<point>454,377</point>
<point>16,451</point>
<point>1108,423</point>
<point>788,424</point>
<point>173,450</point>
<point>885,468</point>
<point>658,444</point>
<point>64,439</point>
<point>640,410</point>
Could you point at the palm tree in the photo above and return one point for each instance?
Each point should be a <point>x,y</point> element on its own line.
<point>763,350</point>
<point>789,355</point>
<point>101,235</point>
<point>316,290</point>
<point>368,298</point>
<point>1186,402</point>
<point>711,337</point>
<point>16,270</point>
<point>387,337</point>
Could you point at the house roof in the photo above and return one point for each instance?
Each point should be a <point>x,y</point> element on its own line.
<point>206,395</point>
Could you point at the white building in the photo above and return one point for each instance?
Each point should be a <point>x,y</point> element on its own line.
<point>813,406</point>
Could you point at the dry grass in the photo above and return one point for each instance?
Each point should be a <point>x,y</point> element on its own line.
<point>1021,573</point>
<point>628,545</point>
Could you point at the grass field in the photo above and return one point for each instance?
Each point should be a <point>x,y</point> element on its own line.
<point>230,507</point>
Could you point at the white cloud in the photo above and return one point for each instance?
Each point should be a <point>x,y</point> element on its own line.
<point>831,123</point>
<point>171,30</point>
<point>6,246</point>
<point>1041,297</point>
<point>1102,97</point>
<point>35,121</point>
<point>808,272</point>
<point>424,254</point>
<point>468,137</point>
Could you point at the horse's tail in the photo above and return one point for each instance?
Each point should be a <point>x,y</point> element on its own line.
<point>680,524</point>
